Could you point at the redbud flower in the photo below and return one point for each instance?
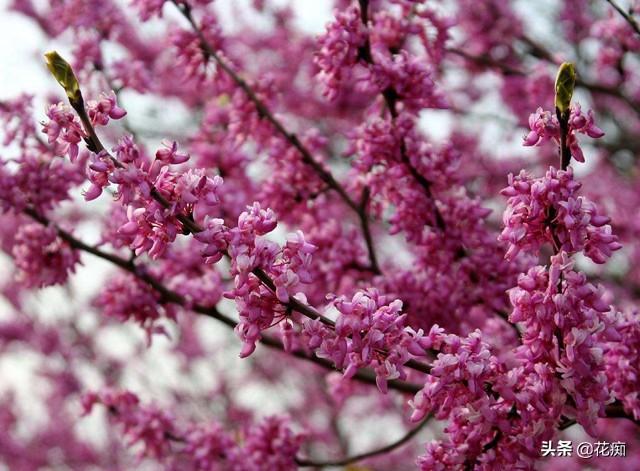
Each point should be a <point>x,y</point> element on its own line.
<point>170,154</point>
<point>42,258</point>
<point>544,126</point>
<point>64,130</point>
<point>577,224</point>
<point>101,110</point>
<point>339,50</point>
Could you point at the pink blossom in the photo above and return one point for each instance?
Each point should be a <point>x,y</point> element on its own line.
<point>63,130</point>
<point>621,362</point>
<point>339,50</point>
<point>146,425</point>
<point>210,446</point>
<point>124,298</point>
<point>368,332</point>
<point>576,225</point>
<point>271,446</point>
<point>544,126</point>
<point>170,154</point>
<point>101,110</point>
<point>566,325</point>
<point>42,258</point>
<point>410,79</point>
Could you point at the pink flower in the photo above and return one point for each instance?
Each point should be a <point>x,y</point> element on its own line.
<point>210,447</point>
<point>566,326</point>
<point>368,332</point>
<point>147,425</point>
<point>577,224</point>
<point>101,110</point>
<point>64,130</point>
<point>622,360</point>
<point>42,258</point>
<point>544,126</point>
<point>170,154</point>
<point>410,78</point>
<point>339,50</point>
<point>125,298</point>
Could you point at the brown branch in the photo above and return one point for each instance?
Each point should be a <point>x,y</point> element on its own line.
<point>369,454</point>
<point>565,152</point>
<point>95,145</point>
<point>628,18</point>
<point>169,296</point>
<point>595,88</point>
<point>390,98</point>
<point>290,137</point>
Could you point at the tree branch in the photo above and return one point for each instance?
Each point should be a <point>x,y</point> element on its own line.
<point>167,295</point>
<point>390,98</point>
<point>596,88</point>
<point>369,454</point>
<point>629,19</point>
<point>290,137</point>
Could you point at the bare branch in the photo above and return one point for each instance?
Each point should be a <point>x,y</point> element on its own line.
<point>369,454</point>
<point>629,19</point>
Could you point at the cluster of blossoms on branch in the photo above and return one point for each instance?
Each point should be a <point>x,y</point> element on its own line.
<point>544,127</point>
<point>395,271</point>
<point>270,444</point>
<point>567,327</point>
<point>548,210</point>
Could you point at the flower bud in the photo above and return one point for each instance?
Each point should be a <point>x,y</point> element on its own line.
<point>63,73</point>
<point>565,84</point>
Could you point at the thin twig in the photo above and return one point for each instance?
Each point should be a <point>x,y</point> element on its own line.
<point>630,19</point>
<point>390,98</point>
<point>596,88</point>
<point>167,295</point>
<point>290,137</point>
<point>369,454</point>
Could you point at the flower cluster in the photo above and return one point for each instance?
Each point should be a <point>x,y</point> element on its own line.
<point>147,425</point>
<point>369,331</point>
<point>288,267</point>
<point>208,445</point>
<point>42,257</point>
<point>457,376</point>
<point>390,31</point>
<point>566,325</point>
<point>192,59</point>
<point>269,445</point>
<point>459,387</point>
<point>148,9</point>
<point>618,38</point>
<point>125,298</point>
<point>549,210</point>
<point>340,49</point>
<point>410,78</point>
<point>502,428</point>
<point>491,27</point>
<point>63,130</point>
<point>622,363</point>
<point>292,183</point>
<point>544,126</point>
<point>152,224</point>
<point>101,110</point>
<point>15,119</point>
<point>40,181</point>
